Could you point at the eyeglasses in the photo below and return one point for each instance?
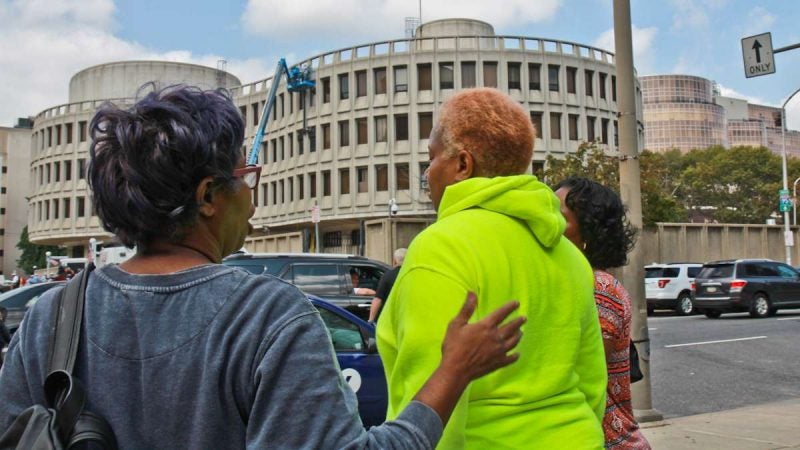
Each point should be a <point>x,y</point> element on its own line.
<point>249,174</point>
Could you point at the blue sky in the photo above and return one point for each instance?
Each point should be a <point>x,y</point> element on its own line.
<point>44,42</point>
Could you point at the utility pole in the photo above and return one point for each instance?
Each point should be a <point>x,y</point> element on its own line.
<point>630,189</point>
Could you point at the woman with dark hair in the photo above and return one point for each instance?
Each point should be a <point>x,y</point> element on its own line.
<point>179,351</point>
<point>597,225</point>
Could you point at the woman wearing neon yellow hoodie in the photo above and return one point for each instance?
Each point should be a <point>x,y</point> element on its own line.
<point>498,234</point>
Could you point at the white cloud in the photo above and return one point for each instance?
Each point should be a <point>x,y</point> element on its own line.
<point>642,45</point>
<point>279,19</point>
<point>759,20</point>
<point>44,42</point>
<point>694,13</point>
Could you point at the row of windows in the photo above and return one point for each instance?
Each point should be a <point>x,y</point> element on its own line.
<point>60,208</point>
<point>295,188</point>
<point>446,80</point>
<point>555,126</point>
<point>59,134</point>
<point>58,170</point>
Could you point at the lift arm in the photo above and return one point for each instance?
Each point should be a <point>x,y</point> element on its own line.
<point>297,80</point>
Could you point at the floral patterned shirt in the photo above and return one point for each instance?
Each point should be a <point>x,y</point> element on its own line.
<point>614,308</point>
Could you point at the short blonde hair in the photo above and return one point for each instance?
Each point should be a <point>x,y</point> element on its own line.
<point>490,125</point>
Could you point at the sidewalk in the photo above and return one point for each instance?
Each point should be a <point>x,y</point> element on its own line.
<point>763,427</point>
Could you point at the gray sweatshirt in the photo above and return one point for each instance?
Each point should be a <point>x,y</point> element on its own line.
<point>211,357</point>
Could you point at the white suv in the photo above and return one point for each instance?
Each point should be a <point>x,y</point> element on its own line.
<point>669,286</point>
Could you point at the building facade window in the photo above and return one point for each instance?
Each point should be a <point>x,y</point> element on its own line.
<point>401,127</point>
<point>534,77</point>
<point>555,125</point>
<point>490,74</point>
<point>425,125</point>
<point>400,79</point>
<point>361,179</point>
<point>446,75</point>
<point>344,133</point>
<point>361,131</point>
<point>69,133</point>
<point>312,185</point>
<point>602,80</point>
<point>326,183</point>
<point>590,126</point>
<point>468,75</point>
<point>536,119</point>
<point>326,136</point>
<point>572,124</point>
<point>80,207</point>
<point>424,77</point>
<point>380,80</point>
<point>552,77</point>
<point>254,108</point>
<point>380,129</point>
<point>301,187</point>
<point>344,181</point>
<point>514,75</point>
<point>82,133</point>
<point>361,83</point>
<point>604,131</point>
<point>381,177</point>
<point>401,176</point>
<point>344,86</point>
<point>613,88</point>
<point>326,90</point>
<point>588,76</point>
<point>572,75</point>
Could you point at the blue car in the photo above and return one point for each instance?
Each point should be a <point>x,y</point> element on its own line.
<point>354,342</point>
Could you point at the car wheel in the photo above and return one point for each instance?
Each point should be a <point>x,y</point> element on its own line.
<point>713,314</point>
<point>759,307</point>
<point>685,305</point>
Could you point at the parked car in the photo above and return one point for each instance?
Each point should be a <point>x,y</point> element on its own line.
<point>354,342</point>
<point>330,276</point>
<point>18,300</point>
<point>758,286</point>
<point>669,286</point>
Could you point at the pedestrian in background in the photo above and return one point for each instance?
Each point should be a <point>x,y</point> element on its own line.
<point>180,351</point>
<point>498,232</point>
<point>385,285</point>
<point>597,225</point>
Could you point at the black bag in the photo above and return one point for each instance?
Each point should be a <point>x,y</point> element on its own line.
<point>636,371</point>
<point>62,423</point>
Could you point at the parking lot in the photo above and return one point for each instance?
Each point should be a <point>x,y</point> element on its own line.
<point>702,365</point>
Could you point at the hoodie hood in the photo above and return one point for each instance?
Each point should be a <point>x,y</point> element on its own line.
<point>520,196</point>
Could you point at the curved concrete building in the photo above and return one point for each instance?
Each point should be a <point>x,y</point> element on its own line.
<point>369,120</point>
<point>363,146</point>
<point>59,205</point>
<point>680,113</point>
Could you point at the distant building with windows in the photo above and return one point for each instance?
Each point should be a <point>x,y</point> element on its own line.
<point>358,143</point>
<point>687,112</point>
<point>15,154</point>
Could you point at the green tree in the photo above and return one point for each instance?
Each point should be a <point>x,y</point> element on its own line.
<point>659,173</point>
<point>589,161</point>
<point>660,181</point>
<point>32,254</point>
<point>736,185</point>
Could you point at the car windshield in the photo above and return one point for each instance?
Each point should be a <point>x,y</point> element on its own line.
<point>716,271</point>
<point>661,272</point>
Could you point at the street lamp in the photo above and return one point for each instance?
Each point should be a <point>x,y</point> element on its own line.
<point>787,234</point>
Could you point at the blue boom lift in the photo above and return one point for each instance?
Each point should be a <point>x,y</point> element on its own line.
<point>298,79</point>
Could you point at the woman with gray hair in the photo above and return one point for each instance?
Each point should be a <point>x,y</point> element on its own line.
<point>178,351</point>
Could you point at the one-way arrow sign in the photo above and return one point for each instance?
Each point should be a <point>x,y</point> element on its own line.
<point>757,55</point>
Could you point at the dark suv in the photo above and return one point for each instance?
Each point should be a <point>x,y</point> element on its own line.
<point>758,286</point>
<point>333,277</point>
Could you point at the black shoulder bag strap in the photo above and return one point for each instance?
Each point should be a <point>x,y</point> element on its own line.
<point>63,392</point>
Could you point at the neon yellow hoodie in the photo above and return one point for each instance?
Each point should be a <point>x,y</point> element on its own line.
<point>502,238</point>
